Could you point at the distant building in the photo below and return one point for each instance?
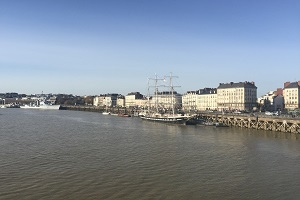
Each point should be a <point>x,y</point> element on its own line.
<point>121,101</point>
<point>266,101</point>
<point>108,100</point>
<point>207,99</point>
<point>133,99</point>
<point>189,100</point>
<point>237,96</point>
<point>291,94</point>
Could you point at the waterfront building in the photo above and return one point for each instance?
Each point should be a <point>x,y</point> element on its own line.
<point>265,102</point>
<point>166,100</point>
<point>236,96</point>
<point>291,94</point>
<point>207,99</point>
<point>120,101</point>
<point>108,100</point>
<point>131,99</point>
<point>271,101</point>
<point>189,100</point>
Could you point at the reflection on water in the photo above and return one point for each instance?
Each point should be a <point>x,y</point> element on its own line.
<point>81,155</point>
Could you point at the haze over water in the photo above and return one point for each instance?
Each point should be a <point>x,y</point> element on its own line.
<point>82,155</point>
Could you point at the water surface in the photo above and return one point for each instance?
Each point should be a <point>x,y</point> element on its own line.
<point>83,155</point>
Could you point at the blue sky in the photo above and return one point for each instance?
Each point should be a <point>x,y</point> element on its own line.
<point>90,47</point>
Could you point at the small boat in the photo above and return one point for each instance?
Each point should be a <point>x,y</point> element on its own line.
<point>124,115</point>
<point>106,113</point>
<point>220,124</point>
<point>208,123</point>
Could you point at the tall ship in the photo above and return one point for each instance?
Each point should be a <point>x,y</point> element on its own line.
<point>41,105</point>
<point>163,105</point>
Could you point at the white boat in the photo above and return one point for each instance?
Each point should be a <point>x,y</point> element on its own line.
<point>106,111</point>
<point>165,114</point>
<point>41,105</point>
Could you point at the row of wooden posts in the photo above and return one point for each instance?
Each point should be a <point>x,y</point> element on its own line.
<point>291,125</point>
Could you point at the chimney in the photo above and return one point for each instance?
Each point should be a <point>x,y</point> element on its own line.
<point>286,84</point>
<point>299,83</point>
<point>279,91</point>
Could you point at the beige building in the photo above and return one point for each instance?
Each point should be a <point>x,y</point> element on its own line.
<point>108,100</point>
<point>207,99</point>
<point>189,100</point>
<point>291,94</point>
<point>236,96</point>
<point>133,99</point>
<point>121,101</point>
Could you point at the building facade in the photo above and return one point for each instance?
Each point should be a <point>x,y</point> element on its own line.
<point>207,99</point>
<point>108,100</point>
<point>189,100</point>
<point>131,99</point>
<point>291,94</point>
<point>236,96</point>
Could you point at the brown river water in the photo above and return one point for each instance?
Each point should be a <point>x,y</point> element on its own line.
<point>82,155</point>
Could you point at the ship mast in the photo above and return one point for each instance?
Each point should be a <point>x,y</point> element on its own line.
<point>171,86</point>
<point>156,79</point>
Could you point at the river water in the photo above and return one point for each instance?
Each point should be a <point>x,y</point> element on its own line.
<point>82,155</point>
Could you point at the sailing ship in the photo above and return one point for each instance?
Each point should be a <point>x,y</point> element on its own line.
<point>163,112</point>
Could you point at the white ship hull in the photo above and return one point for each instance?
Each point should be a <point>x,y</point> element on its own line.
<point>42,107</point>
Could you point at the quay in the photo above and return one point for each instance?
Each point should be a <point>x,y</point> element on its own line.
<point>260,122</point>
<point>115,110</point>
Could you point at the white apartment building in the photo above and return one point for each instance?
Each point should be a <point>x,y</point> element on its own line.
<point>108,100</point>
<point>131,99</point>
<point>236,96</point>
<point>291,94</point>
<point>189,100</point>
<point>121,101</point>
<point>207,99</point>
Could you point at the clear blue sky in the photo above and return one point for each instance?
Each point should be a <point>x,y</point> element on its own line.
<point>89,47</point>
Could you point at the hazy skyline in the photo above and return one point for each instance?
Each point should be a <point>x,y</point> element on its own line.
<point>95,47</point>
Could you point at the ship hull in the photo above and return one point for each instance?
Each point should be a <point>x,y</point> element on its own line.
<point>167,120</point>
<point>42,107</point>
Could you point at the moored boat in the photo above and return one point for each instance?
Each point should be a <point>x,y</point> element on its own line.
<point>220,124</point>
<point>166,112</point>
<point>41,105</point>
<point>166,119</point>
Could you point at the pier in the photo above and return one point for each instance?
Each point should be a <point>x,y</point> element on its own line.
<point>270,123</point>
<point>115,110</point>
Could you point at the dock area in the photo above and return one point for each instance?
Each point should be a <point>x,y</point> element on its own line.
<point>271,123</point>
<point>256,121</point>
